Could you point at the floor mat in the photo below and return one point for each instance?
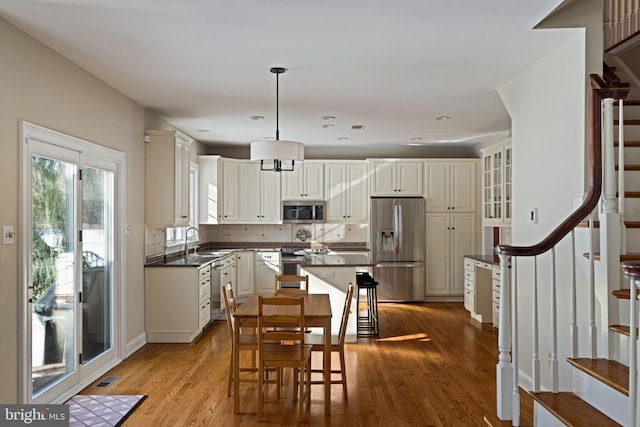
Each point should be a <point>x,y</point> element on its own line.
<point>102,410</point>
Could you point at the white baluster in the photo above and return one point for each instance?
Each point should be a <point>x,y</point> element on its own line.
<point>621,185</point>
<point>515,394</point>
<point>573,320</point>
<point>554,327</point>
<point>504,369</point>
<point>633,353</point>
<point>536,345</point>
<point>593,330</point>
<point>608,159</point>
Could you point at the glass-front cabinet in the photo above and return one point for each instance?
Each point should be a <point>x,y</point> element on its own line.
<point>496,185</point>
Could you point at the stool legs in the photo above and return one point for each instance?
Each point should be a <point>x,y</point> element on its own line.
<point>367,325</point>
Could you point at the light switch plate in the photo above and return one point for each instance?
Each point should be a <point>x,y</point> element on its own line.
<point>8,235</point>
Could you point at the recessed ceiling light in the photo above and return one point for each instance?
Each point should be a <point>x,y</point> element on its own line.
<point>414,144</point>
<point>443,118</point>
<point>327,125</point>
<point>203,130</point>
<point>342,138</point>
<point>256,117</point>
<point>357,127</point>
<point>269,137</point>
<point>328,118</point>
<point>417,138</point>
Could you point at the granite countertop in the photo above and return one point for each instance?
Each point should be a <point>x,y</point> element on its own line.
<point>490,259</point>
<point>331,260</point>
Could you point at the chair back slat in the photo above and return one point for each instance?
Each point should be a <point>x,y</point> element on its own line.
<point>283,279</point>
<point>345,314</point>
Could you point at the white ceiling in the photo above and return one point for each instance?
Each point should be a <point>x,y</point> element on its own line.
<point>390,65</point>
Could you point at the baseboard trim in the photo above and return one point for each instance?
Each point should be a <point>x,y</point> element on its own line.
<point>135,344</point>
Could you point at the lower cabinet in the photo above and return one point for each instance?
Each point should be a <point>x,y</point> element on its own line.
<point>478,293</point>
<point>496,277</point>
<point>227,275</point>
<point>178,302</point>
<point>244,273</point>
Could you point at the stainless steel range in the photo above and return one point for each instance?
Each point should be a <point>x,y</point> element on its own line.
<point>290,260</point>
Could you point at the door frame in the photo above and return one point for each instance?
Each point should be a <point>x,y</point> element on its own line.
<point>28,132</point>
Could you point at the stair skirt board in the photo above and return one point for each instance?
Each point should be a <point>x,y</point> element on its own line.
<point>602,397</point>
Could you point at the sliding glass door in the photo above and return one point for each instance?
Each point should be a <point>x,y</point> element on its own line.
<point>72,269</point>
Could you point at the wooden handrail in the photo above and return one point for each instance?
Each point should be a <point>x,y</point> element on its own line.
<point>599,90</point>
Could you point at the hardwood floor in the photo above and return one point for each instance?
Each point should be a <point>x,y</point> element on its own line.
<point>431,366</point>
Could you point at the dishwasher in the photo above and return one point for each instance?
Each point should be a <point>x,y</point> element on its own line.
<point>216,312</point>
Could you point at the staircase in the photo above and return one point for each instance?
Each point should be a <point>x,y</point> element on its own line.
<point>604,382</point>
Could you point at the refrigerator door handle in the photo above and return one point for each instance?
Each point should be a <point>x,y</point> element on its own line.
<point>399,227</point>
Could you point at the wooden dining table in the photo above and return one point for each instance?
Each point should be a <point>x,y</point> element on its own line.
<point>317,313</point>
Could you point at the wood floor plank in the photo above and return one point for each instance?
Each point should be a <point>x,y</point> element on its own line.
<point>432,365</point>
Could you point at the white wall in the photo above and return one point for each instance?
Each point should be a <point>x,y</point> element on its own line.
<point>40,86</point>
<point>546,103</point>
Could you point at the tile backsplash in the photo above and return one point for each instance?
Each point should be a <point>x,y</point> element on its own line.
<point>272,233</point>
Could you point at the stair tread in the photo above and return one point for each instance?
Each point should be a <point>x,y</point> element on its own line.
<point>623,293</point>
<point>625,257</point>
<point>612,373</point>
<point>572,410</point>
<point>629,167</point>
<point>628,122</point>
<point>622,329</point>
<point>630,194</point>
<point>596,224</point>
<point>628,144</point>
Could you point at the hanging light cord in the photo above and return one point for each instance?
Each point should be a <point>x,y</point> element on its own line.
<point>277,106</point>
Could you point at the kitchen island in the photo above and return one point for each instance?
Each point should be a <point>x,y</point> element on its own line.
<point>331,273</point>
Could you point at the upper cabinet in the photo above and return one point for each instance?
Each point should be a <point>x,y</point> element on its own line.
<point>305,182</point>
<point>258,194</point>
<point>496,185</point>
<point>450,185</point>
<point>167,155</point>
<point>347,195</point>
<point>396,178</point>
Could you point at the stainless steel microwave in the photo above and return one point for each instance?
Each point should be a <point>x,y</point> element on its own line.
<point>302,212</point>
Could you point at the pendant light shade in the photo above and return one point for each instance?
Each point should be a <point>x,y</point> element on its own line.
<point>277,155</point>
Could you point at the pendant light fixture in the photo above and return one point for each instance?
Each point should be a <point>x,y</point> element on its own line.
<point>277,155</point>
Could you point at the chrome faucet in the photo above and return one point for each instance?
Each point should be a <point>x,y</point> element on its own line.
<point>186,240</point>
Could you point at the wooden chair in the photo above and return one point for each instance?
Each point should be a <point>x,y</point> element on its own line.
<point>337,344</point>
<point>289,279</point>
<point>248,339</point>
<point>281,345</point>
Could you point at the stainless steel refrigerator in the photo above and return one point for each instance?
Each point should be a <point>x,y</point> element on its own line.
<point>398,247</point>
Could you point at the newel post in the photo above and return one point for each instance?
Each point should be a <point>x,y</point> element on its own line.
<point>504,369</point>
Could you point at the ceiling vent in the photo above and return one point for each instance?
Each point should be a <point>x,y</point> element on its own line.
<point>357,127</point>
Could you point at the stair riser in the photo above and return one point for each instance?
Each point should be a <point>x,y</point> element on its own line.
<point>602,397</point>
<point>633,240</point>
<point>631,179</point>
<point>544,418</point>
<point>631,155</point>
<point>619,344</point>
<point>632,209</point>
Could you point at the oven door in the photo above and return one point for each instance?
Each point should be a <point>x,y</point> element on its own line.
<point>290,265</point>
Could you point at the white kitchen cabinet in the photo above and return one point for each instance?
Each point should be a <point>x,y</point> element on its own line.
<point>496,275</point>
<point>396,178</point>
<point>305,182</point>
<point>496,185</point>
<point>245,264</point>
<point>449,237</point>
<point>259,199</point>
<point>177,302</point>
<point>266,267</point>
<point>450,185</point>
<point>347,192</point>
<point>167,156</point>
<point>228,274</point>
<point>210,189</point>
<point>478,292</point>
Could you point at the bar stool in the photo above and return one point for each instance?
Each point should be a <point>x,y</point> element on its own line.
<point>367,324</point>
